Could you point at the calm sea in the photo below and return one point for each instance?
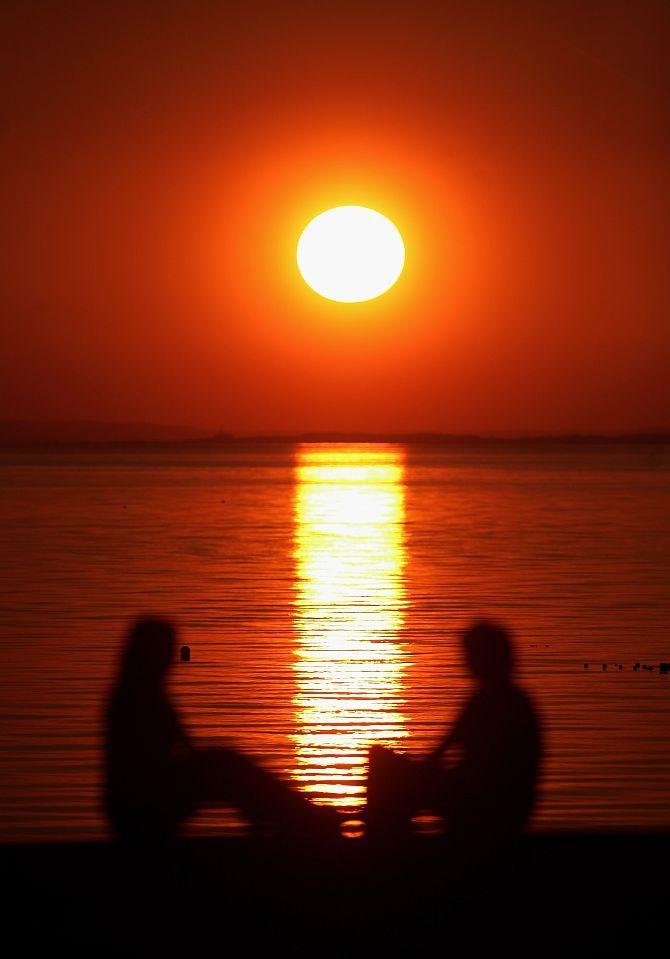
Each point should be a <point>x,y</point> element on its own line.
<point>322,589</point>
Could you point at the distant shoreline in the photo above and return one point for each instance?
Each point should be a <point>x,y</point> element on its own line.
<point>227,440</point>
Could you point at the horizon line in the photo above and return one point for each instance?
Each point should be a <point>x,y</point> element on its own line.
<point>419,437</point>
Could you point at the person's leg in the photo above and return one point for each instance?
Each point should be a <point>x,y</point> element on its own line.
<point>223,775</point>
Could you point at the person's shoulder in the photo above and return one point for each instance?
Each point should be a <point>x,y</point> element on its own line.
<point>521,695</point>
<point>526,697</point>
<point>474,699</point>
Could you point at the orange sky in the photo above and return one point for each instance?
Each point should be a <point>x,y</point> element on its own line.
<point>160,160</point>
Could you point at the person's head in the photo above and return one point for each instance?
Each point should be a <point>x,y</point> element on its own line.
<point>149,651</point>
<point>488,648</point>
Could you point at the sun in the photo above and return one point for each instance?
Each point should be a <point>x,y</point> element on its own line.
<point>350,254</point>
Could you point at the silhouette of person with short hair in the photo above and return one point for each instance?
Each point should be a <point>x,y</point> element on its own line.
<point>487,794</point>
<point>156,776</point>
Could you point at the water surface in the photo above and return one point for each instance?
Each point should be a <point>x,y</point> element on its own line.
<point>322,589</point>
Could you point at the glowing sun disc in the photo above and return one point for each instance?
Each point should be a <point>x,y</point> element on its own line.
<point>350,254</point>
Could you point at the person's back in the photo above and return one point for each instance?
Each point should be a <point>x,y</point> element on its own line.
<point>156,777</point>
<point>498,737</point>
<point>490,792</point>
<point>143,734</point>
<point>486,789</point>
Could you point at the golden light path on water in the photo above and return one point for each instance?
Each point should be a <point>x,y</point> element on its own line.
<point>349,609</point>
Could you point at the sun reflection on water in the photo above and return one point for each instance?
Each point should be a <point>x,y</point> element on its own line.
<point>349,608</point>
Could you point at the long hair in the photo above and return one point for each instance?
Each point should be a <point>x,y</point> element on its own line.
<point>148,653</point>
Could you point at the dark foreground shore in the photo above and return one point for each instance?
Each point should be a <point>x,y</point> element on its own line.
<point>560,894</point>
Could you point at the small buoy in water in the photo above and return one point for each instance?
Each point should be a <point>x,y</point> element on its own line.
<point>604,665</point>
<point>586,665</point>
<point>185,654</point>
<point>664,667</point>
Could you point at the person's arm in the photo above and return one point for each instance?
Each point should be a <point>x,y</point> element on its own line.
<point>454,736</point>
<point>436,754</point>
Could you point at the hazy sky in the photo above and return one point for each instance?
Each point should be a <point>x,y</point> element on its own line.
<point>159,161</point>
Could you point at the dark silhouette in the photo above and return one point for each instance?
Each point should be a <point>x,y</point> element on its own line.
<point>487,794</point>
<point>156,775</point>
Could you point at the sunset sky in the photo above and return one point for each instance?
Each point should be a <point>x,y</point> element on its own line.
<point>160,160</point>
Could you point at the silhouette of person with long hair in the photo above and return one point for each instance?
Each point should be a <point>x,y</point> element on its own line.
<point>487,792</point>
<point>156,776</point>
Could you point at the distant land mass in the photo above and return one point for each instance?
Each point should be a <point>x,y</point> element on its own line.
<point>29,433</point>
<point>39,433</point>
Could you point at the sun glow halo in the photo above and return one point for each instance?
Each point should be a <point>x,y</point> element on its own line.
<point>350,254</point>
